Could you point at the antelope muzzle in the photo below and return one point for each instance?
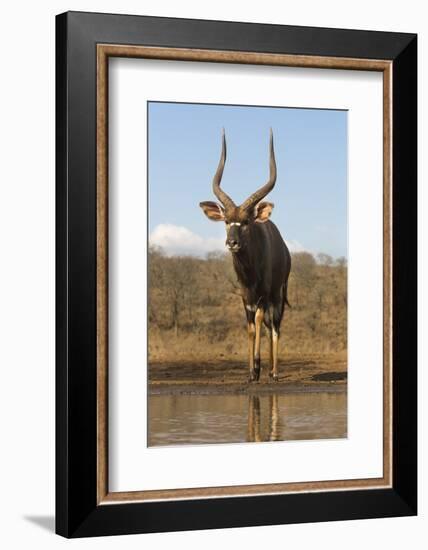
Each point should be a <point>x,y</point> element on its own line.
<point>233,240</point>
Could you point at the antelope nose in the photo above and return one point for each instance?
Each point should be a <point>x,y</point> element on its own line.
<point>232,245</point>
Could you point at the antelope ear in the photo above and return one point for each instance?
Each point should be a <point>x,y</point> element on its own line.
<point>212,210</point>
<point>263,211</point>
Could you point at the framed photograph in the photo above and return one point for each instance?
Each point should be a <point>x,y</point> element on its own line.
<point>236,274</point>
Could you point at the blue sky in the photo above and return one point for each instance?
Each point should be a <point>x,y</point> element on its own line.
<point>310,194</point>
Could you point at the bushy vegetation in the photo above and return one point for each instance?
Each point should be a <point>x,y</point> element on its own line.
<point>195,309</point>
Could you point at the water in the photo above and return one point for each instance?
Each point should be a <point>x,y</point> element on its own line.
<point>195,419</point>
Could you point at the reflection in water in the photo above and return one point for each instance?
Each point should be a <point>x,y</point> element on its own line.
<point>253,418</point>
<point>193,419</point>
<point>254,431</point>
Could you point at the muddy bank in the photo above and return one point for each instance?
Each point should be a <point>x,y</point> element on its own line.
<point>302,374</point>
<point>237,389</point>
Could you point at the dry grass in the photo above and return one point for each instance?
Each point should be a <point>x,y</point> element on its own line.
<point>196,314</point>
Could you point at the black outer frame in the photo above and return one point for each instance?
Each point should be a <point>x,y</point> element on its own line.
<point>77,513</point>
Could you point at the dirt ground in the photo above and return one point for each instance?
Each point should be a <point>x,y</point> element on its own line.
<point>296,374</point>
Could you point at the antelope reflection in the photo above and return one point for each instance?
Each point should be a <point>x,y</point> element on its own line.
<point>255,432</point>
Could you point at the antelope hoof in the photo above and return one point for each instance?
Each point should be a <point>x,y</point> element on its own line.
<point>257,369</point>
<point>254,376</point>
<point>273,376</point>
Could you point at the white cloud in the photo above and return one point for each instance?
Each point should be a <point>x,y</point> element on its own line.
<point>176,240</point>
<point>295,246</point>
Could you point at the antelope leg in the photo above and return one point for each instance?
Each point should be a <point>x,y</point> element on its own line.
<point>275,337</point>
<point>251,340</point>
<point>270,351</point>
<point>258,326</point>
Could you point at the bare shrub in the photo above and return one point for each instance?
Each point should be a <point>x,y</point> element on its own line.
<point>195,307</point>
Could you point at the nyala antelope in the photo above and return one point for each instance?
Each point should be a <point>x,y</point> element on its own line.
<point>261,260</point>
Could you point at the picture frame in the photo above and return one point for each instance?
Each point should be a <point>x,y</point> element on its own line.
<point>84,44</point>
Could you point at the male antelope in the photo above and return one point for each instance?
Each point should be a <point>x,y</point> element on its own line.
<point>261,260</point>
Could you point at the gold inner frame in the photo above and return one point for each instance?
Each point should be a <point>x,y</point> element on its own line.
<point>104,51</point>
